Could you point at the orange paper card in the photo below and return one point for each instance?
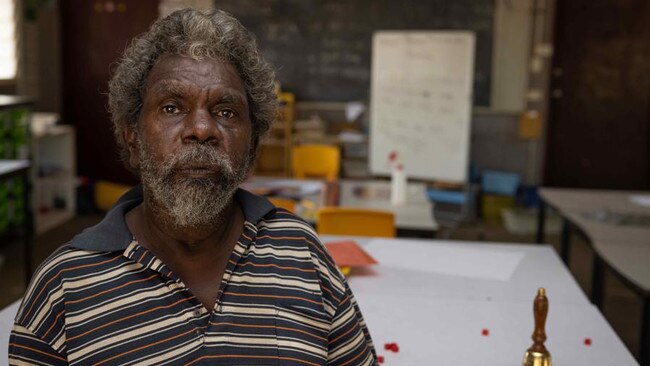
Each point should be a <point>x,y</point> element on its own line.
<point>349,253</point>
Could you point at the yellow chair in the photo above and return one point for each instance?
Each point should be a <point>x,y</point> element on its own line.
<point>285,203</point>
<point>314,160</point>
<point>355,221</point>
<point>107,193</point>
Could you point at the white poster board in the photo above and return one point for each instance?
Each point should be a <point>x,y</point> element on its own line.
<point>421,102</point>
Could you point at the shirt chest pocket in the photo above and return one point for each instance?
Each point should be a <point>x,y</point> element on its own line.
<point>301,337</point>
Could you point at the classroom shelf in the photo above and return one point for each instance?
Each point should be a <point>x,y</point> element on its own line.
<point>53,148</point>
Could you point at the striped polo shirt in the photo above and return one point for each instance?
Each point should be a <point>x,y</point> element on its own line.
<point>103,299</point>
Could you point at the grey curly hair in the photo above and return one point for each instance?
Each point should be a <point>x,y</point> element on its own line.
<point>188,32</point>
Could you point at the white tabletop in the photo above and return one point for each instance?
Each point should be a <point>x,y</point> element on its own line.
<point>10,166</point>
<point>539,266</point>
<point>438,318</point>
<point>568,199</point>
<point>625,248</point>
<point>7,316</point>
<point>581,206</point>
<point>449,332</point>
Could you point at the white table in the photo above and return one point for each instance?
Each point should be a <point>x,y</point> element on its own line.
<point>539,267</point>
<point>625,249</point>
<point>7,316</point>
<point>449,332</point>
<point>416,214</point>
<point>438,318</point>
<point>9,167</point>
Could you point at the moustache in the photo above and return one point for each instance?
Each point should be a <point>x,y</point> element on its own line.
<point>199,158</point>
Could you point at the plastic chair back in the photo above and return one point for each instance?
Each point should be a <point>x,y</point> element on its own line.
<point>355,221</point>
<point>107,193</point>
<point>286,203</point>
<point>322,161</point>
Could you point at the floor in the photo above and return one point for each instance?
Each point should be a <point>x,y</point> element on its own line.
<point>622,307</point>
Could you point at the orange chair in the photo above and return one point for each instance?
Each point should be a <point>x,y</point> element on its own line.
<point>286,203</point>
<point>107,193</point>
<point>314,160</point>
<point>355,221</point>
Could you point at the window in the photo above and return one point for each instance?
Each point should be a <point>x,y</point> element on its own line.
<point>7,39</point>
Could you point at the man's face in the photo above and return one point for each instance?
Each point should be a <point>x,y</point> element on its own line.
<point>193,140</point>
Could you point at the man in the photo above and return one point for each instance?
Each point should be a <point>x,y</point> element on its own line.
<point>187,269</point>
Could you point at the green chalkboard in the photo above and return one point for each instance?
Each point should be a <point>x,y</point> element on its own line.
<point>322,49</point>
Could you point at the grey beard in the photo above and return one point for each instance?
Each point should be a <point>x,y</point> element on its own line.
<point>188,202</point>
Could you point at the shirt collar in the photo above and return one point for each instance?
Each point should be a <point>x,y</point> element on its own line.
<point>112,233</point>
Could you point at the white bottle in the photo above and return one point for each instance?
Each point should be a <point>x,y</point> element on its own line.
<point>398,185</point>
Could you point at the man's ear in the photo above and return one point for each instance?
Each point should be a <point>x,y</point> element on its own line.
<point>130,136</point>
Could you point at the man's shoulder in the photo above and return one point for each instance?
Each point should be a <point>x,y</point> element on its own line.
<point>65,263</point>
<point>291,239</point>
<point>283,225</point>
<point>282,228</point>
<point>71,260</point>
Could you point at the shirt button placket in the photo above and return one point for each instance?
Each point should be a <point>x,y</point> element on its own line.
<point>197,314</point>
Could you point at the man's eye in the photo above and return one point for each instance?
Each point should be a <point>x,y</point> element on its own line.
<point>226,113</point>
<point>170,109</point>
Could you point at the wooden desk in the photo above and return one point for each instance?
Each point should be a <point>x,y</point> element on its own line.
<point>416,215</point>
<point>624,249</point>
<point>437,318</point>
<point>13,168</point>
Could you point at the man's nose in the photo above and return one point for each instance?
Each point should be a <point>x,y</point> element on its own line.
<point>200,127</point>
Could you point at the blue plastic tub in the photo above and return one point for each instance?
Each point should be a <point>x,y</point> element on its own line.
<point>500,183</point>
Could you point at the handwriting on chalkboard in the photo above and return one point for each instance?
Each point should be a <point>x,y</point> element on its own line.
<point>322,49</point>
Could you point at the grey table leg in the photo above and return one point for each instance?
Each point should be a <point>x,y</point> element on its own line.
<point>597,282</point>
<point>644,347</point>
<point>541,221</point>
<point>27,230</point>
<point>565,241</point>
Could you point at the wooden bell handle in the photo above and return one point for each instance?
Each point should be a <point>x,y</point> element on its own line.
<point>540,310</point>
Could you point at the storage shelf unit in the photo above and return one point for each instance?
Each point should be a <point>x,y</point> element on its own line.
<point>54,172</point>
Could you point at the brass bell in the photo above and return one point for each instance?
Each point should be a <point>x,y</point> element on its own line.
<point>537,354</point>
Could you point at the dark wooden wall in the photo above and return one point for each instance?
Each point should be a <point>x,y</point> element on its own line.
<point>92,39</point>
<point>599,130</point>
